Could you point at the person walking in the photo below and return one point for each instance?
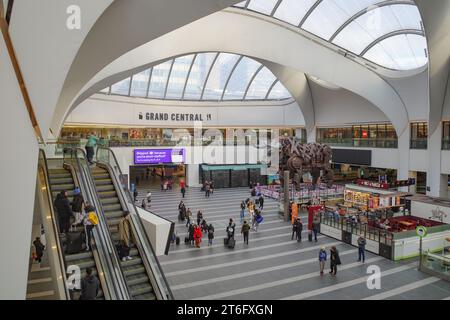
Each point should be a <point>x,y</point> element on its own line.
<point>211,187</point>
<point>361,249</point>
<point>77,206</point>
<point>188,217</point>
<point>92,141</point>
<point>149,197</point>
<point>64,211</point>
<point>322,259</point>
<point>191,234</point>
<point>199,217</point>
<point>210,234</point>
<point>144,204</point>
<point>294,229</point>
<point>183,188</point>
<point>315,226</point>
<point>299,230</point>
<point>125,236</point>
<point>90,286</point>
<point>245,229</point>
<point>334,260</point>
<point>39,249</point>
<point>261,202</point>
<point>207,189</point>
<point>197,236</point>
<point>181,211</point>
<point>242,211</point>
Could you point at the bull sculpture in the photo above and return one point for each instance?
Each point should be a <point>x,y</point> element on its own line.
<point>314,158</point>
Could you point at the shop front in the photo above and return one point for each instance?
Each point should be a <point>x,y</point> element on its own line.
<point>233,176</point>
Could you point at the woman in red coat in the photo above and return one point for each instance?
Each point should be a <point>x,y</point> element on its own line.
<point>197,236</point>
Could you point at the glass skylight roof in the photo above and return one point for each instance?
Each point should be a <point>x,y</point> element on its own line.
<point>386,32</point>
<point>208,76</point>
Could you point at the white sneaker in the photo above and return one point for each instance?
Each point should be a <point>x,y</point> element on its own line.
<point>129,258</point>
<point>124,259</point>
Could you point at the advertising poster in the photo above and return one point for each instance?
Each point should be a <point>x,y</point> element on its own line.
<point>158,156</point>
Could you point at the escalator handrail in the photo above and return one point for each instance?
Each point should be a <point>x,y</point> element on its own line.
<point>55,227</point>
<point>141,224</point>
<point>100,212</point>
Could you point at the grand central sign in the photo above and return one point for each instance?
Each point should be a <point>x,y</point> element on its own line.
<point>174,117</point>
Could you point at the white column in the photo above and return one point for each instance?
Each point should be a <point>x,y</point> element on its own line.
<point>192,175</point>
<point>311,133</point>
<point>18,173</point>
<point>403,157</point>
<point>437,183</point>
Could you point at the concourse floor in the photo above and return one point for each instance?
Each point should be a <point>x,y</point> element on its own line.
<point>273,266</point>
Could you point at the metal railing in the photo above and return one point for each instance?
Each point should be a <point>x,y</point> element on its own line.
<point>160,284</point>
<point>421,144</point>
<point>43,169</point>
<point>115,274</point>
<point>361,142</point>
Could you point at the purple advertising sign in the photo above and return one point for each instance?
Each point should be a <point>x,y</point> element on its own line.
<point>156,156</point>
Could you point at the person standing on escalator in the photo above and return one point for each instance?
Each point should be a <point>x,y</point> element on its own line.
<point>90,145</point>
<point>62,205</point>
<point>125,237</point>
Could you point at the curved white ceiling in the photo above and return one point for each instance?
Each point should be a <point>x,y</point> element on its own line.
<point>388,33</point>
<point>204,76</point>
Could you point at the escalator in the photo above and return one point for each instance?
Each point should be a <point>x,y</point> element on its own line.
<point>62,179</point>
<point>135,272</point>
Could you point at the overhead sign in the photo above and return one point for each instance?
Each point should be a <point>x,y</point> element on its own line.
<point>157,156</point>
<point>421,231</point>
<point>149,117</point>
<point>373,184</point>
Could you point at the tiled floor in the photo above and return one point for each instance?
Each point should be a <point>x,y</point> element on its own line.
<point>273,266</point>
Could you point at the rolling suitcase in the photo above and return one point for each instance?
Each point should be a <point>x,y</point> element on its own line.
<point>177,241</point>
<point>310,236</point>
<point>225,241</point>
<point>74,242</point>
<point>186,240</point>
<point>231,243</point>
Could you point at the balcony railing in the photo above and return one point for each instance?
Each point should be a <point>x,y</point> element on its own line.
<point>360,142</point>
<point>420,143</point>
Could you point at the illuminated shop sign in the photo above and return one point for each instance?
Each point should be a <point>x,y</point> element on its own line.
<point>157,156</point>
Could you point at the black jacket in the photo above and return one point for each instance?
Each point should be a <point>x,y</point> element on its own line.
<point>299,227</point>
<point>89,288</point>
<point>77,203</point>
<point>62,206</point>
<point>334,257</point>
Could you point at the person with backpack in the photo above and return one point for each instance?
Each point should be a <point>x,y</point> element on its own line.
<point>77,207</point>
<point>199,217</point>
<point>210,234</point>
<point>90,286</point>
<point>334,260</point>
<point>39,249</point>
<point>188,217</point>
<point>125,236</point>
<point>64,211</point>
<point>242,214</point>
<point>230,229</point>
<point>90,220</point>
<point>245,229</point>
<point>322,259</point>
<point>361,249</point>
<point>197,236</point>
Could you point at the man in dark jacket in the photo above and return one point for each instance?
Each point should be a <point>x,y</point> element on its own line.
<point>77,206</point>
<point>245,230</point>
<point>191,234</point>
<point>315,226</point>
<point>39,249</point>
<point>299,230</point>
<point>62,206</point>
<point>89,286</point>
<point>361,249</point>
<point>230,229</point>
<point>261,202</point>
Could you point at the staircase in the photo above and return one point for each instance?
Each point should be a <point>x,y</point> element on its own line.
<point>61,179</point>
<point>40,284</point>
<point>134,270</point>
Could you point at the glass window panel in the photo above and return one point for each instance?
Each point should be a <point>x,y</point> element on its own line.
<point>398,49</point>
<point>353,38</point>
<point>159,80</point>
<point>178,77</point>
<point>279,92</point>
<point>139,85</point>
<point>106,90</point>
<point>240,79</point>
<point>262,6</point>
<point>121,87</point>
<point>219,76</point>
<point>261,85</point>
<point>293,11</point>
<point>241,4</point>
<point>197,78</point>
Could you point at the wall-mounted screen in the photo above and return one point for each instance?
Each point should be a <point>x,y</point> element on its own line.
<point>157,156</point>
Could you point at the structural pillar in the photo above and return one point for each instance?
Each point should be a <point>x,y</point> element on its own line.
<point>403,157</point>
<point>286,195</point>
<point>437,183</point>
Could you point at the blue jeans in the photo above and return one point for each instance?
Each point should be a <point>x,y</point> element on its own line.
<point>242,214</point>
<point>361,253</point>
<point>210,242</point>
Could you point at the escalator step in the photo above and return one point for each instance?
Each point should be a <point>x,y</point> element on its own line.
<point>141,289</point>
<point>134,270</point>
<point>78,256</point>
<point>137,279</point>
<point>129,263</point>
<point>110,200</point>
<point>55,181</point>
<point>59,187</point>
<point>102,188</point>
<point>102,182</point>
<point>147,296</point>
<point>112,207</point>
<point>114,214</point>
<point>107,194</point>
